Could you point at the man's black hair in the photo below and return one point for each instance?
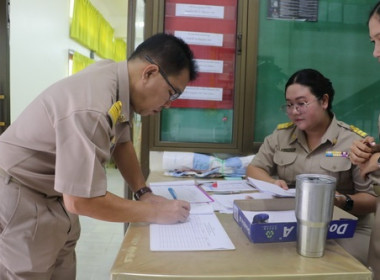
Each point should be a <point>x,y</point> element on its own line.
<point>170,52</point>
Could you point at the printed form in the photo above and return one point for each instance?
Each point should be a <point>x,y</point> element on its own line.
<point>201,232</point>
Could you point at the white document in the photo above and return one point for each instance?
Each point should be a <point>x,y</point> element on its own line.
<point>199,233</point>
<point>287,216</point>
<point>204,11</point>
<point>202,93</point>
<point>200,38</point>
<point>210,66</point>
<point>226,186</point>
<point>184,190</point>
<point>271,188</point>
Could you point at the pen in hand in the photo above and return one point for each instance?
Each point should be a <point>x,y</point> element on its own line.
<point>172,192</point>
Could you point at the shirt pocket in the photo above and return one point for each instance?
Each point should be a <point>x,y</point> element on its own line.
<point>285,165</point>
<point>340,168</point>
<point>335,164</point>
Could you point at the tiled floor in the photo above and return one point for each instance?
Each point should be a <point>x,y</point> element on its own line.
<point>100,241</point>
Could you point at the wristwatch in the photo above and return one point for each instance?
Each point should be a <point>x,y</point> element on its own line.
<point>349,203</point>
<point>141,192</point>
<point>378,162</point>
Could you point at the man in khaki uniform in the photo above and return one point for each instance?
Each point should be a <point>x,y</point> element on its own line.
<point>285,153</point>
<point>52,158</point>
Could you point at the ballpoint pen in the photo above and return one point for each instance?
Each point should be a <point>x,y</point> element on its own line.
<point>172,192</point>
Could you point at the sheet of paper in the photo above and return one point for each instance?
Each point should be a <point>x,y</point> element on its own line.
<point>184,191</point>
<point>201,208</point>
<point>271,188</point>
<point>210,66</point>
<point>199,233</point>
<point>228,200</point>
<point>204,11</point>
<point>202,93</point>
<point>225,186</point>
<point>200,38</point>
<point>274,216</point>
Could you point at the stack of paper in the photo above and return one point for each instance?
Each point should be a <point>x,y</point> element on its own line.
<point>201,231</point>
<point>271,188</point>
<point>185,190</point>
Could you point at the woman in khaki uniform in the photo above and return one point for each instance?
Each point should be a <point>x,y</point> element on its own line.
<point>366,154</point>
<point>316,142</point>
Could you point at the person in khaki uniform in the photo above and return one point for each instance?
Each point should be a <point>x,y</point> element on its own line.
<point>366,153</point>
<point>52,158</point>
<point>316,142</point>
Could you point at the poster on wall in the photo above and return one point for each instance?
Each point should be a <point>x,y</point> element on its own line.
<point>209,27</point>
<point>302,10</point>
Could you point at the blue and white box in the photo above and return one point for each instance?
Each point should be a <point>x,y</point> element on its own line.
<point>261,230</point>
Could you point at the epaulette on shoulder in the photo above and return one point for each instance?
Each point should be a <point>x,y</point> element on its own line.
<point>285,125</point>
<point>358,131</point>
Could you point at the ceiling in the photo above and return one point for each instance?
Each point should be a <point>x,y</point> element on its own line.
<point>115,12</point>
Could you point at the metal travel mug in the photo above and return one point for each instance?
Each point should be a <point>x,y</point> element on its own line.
<point>315,195</point>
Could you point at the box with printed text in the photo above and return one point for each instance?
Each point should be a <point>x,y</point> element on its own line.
<point>260,229</point>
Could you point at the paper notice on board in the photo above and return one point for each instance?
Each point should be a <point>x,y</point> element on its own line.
<point>204,11</point>
<point>202,93</point>
<point>210,66</point>
<point>200,38</point>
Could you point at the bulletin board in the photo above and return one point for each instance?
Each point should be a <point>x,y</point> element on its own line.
<point>204,113</point>
<point>209,27</point>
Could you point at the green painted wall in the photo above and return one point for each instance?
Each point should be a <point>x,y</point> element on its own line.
<point>337,45</point>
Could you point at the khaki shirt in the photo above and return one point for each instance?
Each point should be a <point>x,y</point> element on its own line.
<point>285,154</point>
<point>62,140</point>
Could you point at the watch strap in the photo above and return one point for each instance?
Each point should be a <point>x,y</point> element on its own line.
<point>349,203</point>
<point>138,194</point>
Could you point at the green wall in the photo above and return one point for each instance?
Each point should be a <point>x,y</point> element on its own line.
<point>337,45</point>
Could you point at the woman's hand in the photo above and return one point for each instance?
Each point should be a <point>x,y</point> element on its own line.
<point>362,150</point>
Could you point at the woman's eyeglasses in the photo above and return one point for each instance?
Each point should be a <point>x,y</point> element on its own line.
<point>300,107</point>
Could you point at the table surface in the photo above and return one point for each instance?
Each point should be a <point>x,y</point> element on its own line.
<point>247,261</point>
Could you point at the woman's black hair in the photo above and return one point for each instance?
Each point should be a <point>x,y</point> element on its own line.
<point>318,84</point>
<point>375,11</point>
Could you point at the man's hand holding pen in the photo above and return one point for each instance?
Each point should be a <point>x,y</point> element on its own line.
<point>168,211</point>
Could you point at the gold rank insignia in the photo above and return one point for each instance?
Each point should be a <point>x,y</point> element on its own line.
<point>284,125</point>
<point>115,112</point>
<point>358,131</point>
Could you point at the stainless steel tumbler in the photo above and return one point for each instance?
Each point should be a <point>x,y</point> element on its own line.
<point>315,195</point>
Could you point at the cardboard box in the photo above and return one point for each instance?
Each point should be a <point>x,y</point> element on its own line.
<point>342,225</point>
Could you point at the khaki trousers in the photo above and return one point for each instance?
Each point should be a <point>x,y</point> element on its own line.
<point>37,235</point>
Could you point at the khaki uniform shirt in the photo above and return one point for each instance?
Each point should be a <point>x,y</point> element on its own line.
<point>63,139</point>
<point>285,154</point>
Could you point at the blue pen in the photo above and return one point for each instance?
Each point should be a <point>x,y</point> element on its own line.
<point>172,192</point>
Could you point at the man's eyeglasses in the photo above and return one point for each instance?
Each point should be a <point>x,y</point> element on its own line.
<point>172,96</point>
<point>301,107</point>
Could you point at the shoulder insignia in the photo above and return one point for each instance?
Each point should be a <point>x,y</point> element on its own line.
<point>358,131</point>
<point>115,111</point>
<point>285,125</point>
